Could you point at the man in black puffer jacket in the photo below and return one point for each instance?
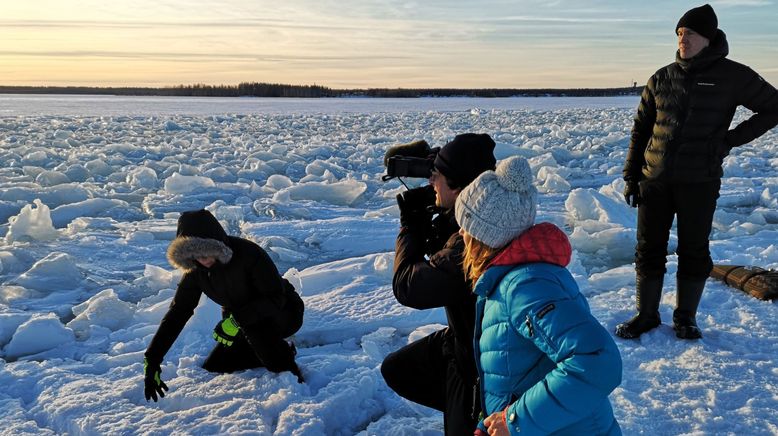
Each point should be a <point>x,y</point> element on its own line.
<point>260,308</point>
<point>439,371</point>
<point>680,137</point>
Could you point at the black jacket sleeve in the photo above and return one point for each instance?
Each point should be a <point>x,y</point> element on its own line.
<point>761,98</point>
<point>181,309</point>
<point>641,133</point>
<point>423,284</point>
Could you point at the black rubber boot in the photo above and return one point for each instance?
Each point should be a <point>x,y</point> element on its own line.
<point>688,294</point>
<point>648,292</point>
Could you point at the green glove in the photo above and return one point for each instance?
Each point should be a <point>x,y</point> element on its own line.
<point>226,330</point>
<point>152,380</point>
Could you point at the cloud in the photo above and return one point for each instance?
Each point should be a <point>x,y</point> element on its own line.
<point>734,3</point>
<point>595,20</point>
<point>228,24</point>
<point>190,57</point>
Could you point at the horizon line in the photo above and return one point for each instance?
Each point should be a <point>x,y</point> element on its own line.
<point>314,85</point>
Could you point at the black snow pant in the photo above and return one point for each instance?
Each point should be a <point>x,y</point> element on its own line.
<point>421,372</point>
<point>261,344</point>
<point>237,357</point>
<point>693,205</point>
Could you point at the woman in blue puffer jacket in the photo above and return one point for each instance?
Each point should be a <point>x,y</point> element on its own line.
<point>546,365</point>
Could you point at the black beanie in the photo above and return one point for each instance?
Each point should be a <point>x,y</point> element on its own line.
<point>465,157</point>
<point>701,19</point>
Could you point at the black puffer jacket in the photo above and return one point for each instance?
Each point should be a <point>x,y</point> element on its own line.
<point>681,131</point>
<point>244,281</point>
<point>439,282</point>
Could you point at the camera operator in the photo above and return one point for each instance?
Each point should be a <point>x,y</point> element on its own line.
<point>439,371</point>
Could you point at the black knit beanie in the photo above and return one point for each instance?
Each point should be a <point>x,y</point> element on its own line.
<point>701,19</point>
<point>465,157</point>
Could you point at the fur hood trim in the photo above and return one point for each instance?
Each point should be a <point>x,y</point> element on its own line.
<point>183,251</point>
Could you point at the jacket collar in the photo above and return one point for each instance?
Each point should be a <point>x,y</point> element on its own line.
<point>543,242</point>
<point>718,49</point>
<point>489,280</point>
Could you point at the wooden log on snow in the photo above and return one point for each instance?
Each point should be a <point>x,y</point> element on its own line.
<point>755,281</point>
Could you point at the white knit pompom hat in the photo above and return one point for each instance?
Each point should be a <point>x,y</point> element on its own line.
<point>499,205</point>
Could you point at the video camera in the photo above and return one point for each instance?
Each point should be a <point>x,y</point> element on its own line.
<point>409,160</point>
<point>402,166</point>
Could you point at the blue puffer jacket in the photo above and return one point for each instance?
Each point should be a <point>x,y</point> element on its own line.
<point>539,351</point>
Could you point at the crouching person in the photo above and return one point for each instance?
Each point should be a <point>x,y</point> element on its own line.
<point>546,365</point>
<point>259,307</point>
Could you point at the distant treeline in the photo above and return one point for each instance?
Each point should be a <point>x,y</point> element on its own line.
<point>491,92</point>
<point>312,91</point>
<point>198,90</point>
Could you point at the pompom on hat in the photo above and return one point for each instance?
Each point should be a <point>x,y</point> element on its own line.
<point>499,205</point>
<point>700,19</point>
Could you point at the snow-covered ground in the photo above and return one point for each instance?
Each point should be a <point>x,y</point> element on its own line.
<point>90,189</point>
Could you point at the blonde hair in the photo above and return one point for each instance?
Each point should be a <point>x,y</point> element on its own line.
<point>477,256</point>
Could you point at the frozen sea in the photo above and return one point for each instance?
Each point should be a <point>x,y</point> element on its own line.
<point>91,187</point>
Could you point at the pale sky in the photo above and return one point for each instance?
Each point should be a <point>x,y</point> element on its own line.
<point>363,43</point>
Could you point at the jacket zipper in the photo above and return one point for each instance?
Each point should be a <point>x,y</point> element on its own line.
<point>670,162</point>
<point>529,327</point>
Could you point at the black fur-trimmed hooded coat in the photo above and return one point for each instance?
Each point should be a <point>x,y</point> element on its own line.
<point>682,130</point>
<point>244,281</point>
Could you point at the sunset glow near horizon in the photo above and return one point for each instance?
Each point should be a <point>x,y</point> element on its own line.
<point>362,44</point>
